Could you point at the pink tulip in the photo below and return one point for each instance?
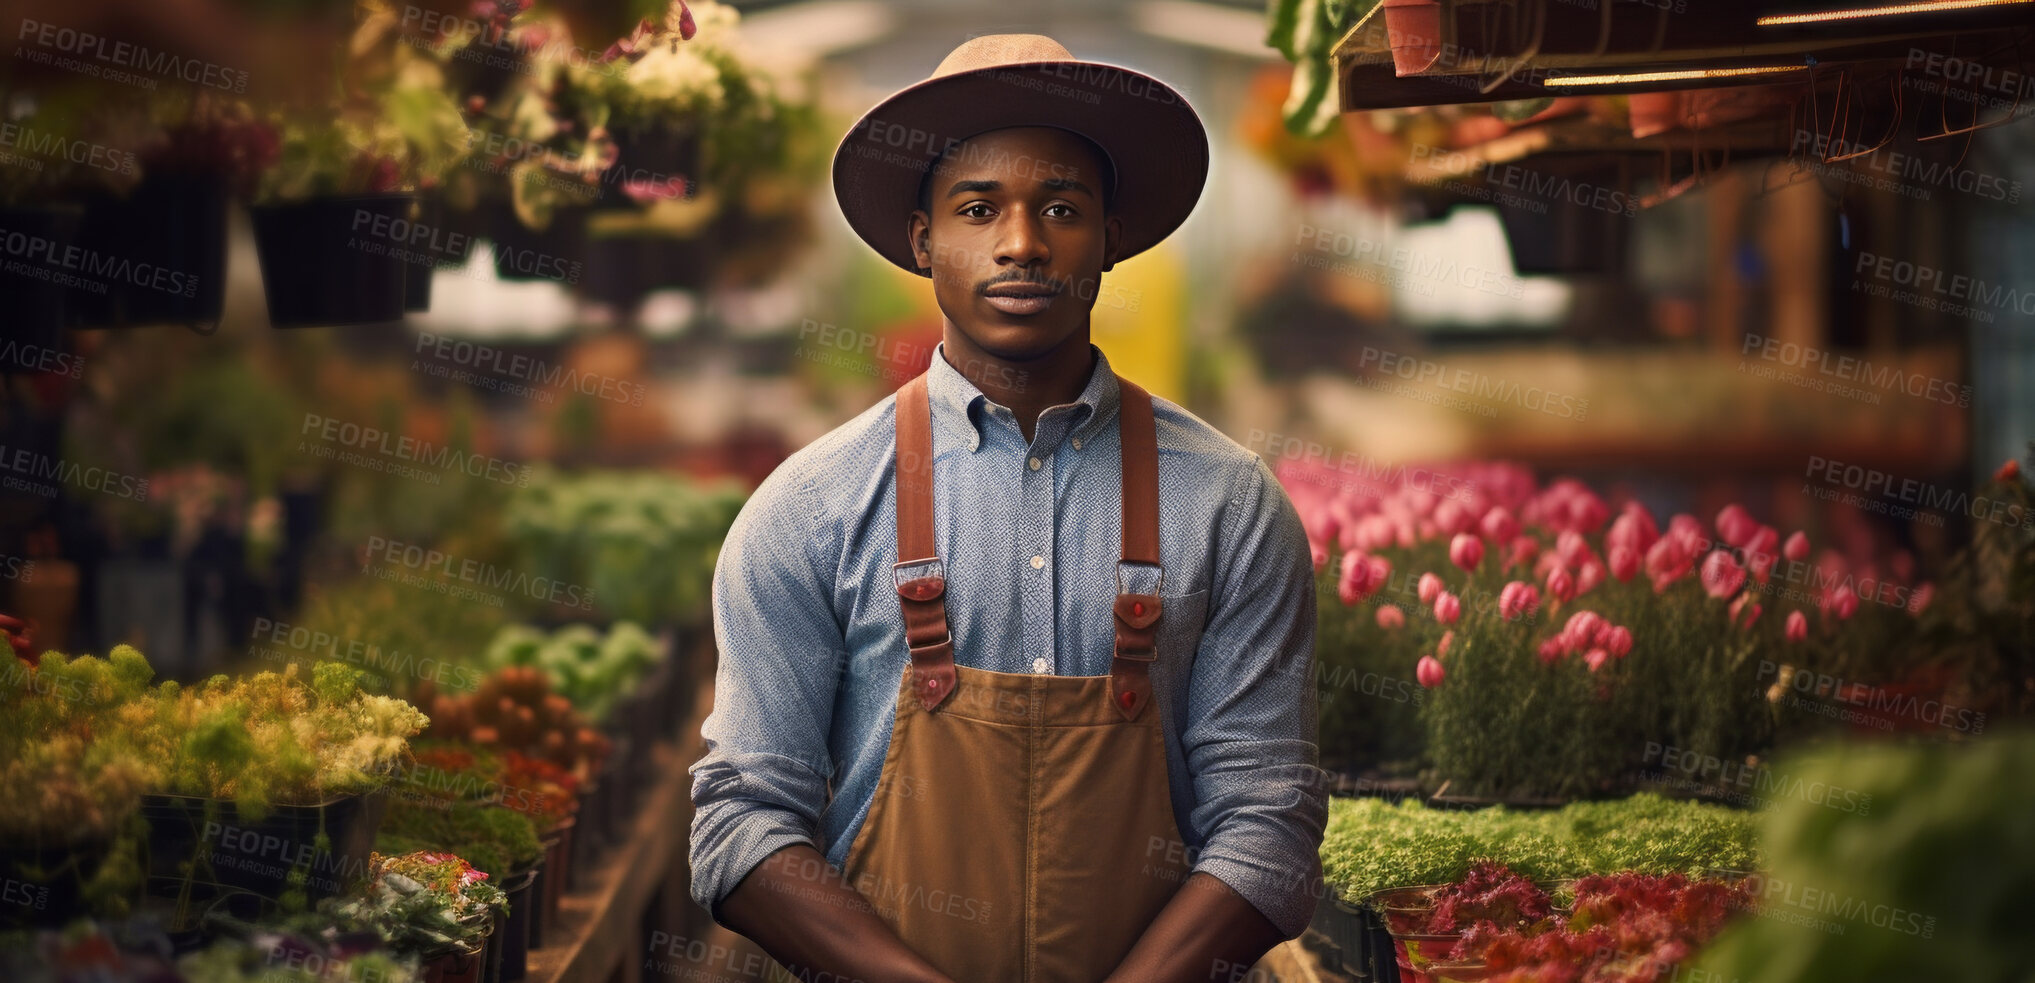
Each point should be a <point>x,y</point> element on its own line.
<point>1722,576</point>
<point>1582,628</point>
<point>1429,671</point>
<point>1624,563</point>
<point>1845,604</point>
<point>1517,600</point>
<point>1391,618</point>
<point>1618,641</point>
<point>1441,649</point>
<point>1687,528</point>
<point>1356,582</point>
<point>1668,561</point>
<point>1746,606</point>
<point>1453,517</point>
<point>1447,608</point>
<point>1573,549</point>
<point>1522,551</point>
<point>1735,525</point>
<point>1797,546</point>
<point>1797,626</point>
<point>1550,650</point>
<point>1319,554</point>
<point>1633,529</point>
<point>1903,565</point>
<point>1586,512</point>
<point>1430,586</point>
<point>1560,585</point>
<point>1466,551</point>
<point>1595,659</point>
<point>1499,525</point>
<point>1763,541</point>
<point>1589,576</point>
<point>1918,601</point>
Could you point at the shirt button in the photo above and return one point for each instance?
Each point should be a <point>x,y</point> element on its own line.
<point>1038,665</point>
<point>1038,562</point>
<point>1035,464</point>
<point>1077,443</point>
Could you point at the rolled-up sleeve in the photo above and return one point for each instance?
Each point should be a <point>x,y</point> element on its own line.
<point>1250,737</point>
<point>763,782</point>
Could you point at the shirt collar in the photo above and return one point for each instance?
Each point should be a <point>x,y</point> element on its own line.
<point>960,407</point>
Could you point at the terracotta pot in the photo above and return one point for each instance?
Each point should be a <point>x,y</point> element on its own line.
<point>1655,112</point>
<point>1414,27</point>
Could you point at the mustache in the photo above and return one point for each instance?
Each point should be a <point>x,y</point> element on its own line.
<point>1055,284</point>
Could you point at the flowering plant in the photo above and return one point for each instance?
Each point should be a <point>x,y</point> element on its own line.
<point>425,903</point>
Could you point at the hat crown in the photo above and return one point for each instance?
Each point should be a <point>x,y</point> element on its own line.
<point>992,50</point>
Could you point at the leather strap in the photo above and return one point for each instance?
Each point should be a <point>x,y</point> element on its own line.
<point>923,596</point>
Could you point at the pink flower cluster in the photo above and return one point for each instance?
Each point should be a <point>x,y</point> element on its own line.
<point>1592,635</point>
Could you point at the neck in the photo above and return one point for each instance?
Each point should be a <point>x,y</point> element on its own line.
<point>1028,386</point>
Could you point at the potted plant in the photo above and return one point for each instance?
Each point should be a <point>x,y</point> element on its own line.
<point>499,842</point>
<point>33,289</point>
<point>431,905</point>
<point>335,230</point>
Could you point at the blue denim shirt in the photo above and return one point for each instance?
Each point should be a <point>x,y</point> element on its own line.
<point>812,645</point>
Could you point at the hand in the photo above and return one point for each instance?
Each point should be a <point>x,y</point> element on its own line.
<point>1202,934</point>
<point>820,923</point>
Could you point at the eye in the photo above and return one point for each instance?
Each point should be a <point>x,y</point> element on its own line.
<point>977,209</point>
<point>1066,210</point>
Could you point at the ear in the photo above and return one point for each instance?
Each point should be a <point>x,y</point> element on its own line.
<point>919,229</point>
<point>1112,241</point>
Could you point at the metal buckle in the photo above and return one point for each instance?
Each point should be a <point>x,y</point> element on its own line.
<point>1158,576</point>
<point>930,567</point>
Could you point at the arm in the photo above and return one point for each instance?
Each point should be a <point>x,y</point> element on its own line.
<point>759,790</point>
<point>1249,739</point>
<point>803,913</point>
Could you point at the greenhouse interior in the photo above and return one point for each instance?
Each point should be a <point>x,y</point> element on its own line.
<point>1562,466</point>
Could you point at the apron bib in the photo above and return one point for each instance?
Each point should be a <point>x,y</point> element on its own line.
<point>1022,828</point>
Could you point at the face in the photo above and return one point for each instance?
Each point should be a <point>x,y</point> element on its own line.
<point>1017,239</point>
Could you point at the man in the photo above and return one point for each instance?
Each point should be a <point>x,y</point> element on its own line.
<point>1016,666</point>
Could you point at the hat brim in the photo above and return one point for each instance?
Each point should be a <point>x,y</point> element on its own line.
<point>1154,140</point>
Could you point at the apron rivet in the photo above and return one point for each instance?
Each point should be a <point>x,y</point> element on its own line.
<point>1138,607</point>
<point>932,684</point>
<point>1127,698</point>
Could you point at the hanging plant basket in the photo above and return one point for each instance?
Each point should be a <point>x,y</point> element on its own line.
<point>654,155</point>
<point>171,232</point>
<point>435,242</point>
<point>332,260</point>
<point>35,307</point>
<point>556,252</point>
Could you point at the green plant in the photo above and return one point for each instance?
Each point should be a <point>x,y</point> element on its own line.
<point>425,904</point>
<point>1304,32</point>
<point>590,669</point>
<point>1932,883</point>
<point>1371,845</point>
<point>495,841</point>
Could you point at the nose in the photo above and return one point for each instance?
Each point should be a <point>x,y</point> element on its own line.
<point>1021,240</point>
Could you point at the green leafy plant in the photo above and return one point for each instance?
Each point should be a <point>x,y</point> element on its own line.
<point>590,669</point>
<point>425,904</point>
<point>1371,845</point>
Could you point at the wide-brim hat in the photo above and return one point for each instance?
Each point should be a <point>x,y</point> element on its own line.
<point>1155,142</point>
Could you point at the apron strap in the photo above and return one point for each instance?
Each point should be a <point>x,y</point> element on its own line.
<point>1137,615</point>
<point>921,576</point>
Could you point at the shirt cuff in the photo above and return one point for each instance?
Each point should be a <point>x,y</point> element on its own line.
<point>716,874</point>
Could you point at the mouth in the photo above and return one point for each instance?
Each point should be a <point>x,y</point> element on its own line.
<point>1021,297</point>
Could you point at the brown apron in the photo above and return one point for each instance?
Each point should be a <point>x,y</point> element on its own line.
<point>1022,828</point>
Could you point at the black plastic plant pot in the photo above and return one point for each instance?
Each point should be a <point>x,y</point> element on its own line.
<point>458,967</point>
<point>258,857</point>
<point>1554,237</point>
<point>514,937</point>
<point>35,244</point>
<point>168,240</point>
<point>45,884</point>
<point>433,241</point>
<point>556,252</point>
<point>334,260</point>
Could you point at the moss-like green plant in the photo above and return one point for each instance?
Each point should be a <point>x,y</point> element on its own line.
<point>494,840</point>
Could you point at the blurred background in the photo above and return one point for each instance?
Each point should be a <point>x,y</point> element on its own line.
<point>416,329</point>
